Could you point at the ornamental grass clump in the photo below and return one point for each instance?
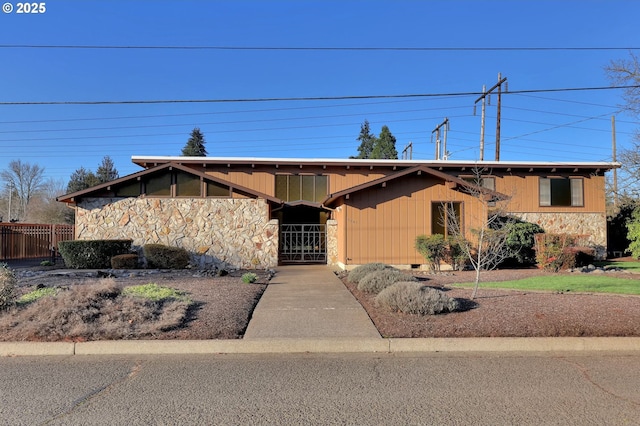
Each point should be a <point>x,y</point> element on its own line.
<point>416,298</point>
<point>249,277</point>
<point>377,281</point>
<point>8,283</point>
<point>361,271</point>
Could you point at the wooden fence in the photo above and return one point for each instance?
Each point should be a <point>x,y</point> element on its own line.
<point>32,241</point>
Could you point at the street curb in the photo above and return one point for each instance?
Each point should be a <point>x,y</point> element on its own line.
<point>322,345</point>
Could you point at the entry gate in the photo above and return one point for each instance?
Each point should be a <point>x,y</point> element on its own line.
<point>303,244</point>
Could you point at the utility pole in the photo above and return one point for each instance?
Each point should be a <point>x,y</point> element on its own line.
<point>485,95</point>
<point>408,149</point>
<point>445,126</point>
<point>10,194</point>
<point>615,171</point>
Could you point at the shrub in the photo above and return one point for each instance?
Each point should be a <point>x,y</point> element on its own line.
<point>416,298</point>
<point>432,248</point>
<point>454,254</point>
<point>361,271</point>
<point>573,257</point>
<point>124,261</point>
<point>92,254</point>
<point>249,278</point>
<point>46,263</point>
<point>376,281</point>
<point>8,283</point>
<point>561,251</point>
<point>521,242</point>
<point>166,257</point>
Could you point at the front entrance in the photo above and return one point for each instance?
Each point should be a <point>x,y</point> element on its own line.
<point>303,236</point>
<point>303,243</point>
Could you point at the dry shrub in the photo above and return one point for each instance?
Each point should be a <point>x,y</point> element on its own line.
<point>92,312</point>
<point>376,281</point>
<point>124,261</point>
<point>8,283</point>
<point>359,272</point>
<point>416,298</point>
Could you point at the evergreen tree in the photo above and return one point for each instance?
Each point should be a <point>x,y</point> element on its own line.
<point>385,146</point>
<point>195,145</point>
<point>106,171</point>
<point>81,179</point>
<point>367,141</point>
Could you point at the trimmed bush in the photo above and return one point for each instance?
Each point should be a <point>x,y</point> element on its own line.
<point>124,261</point>
<point>433,248</point>
<point>92,254</point>
<point>8,283</point>
<point>416,298</point>
<point>166,257</point>
<point>376,281</point>
<point>361,271</point>
<point>573,257</point>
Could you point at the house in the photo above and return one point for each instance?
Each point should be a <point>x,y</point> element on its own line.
<point>259,212</point>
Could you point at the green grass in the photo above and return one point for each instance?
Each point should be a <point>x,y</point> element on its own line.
<point>155,292</point>
<point>627,266</point>
<point>569,283</point>
<point>37,294</point>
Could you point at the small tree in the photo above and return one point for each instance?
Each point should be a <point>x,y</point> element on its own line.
<point>432,248</point>
<point>106,170</point>
<point>385,146</point>
<point>195,145</point>
<point>487,246</point>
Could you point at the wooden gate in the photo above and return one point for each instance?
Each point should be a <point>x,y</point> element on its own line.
<point>32,241</point>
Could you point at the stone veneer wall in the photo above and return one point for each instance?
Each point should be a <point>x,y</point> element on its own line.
<point>592,224</point>
<point>225,233</point>
<point>332,242</point>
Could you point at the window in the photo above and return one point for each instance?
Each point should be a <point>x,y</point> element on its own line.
<point>128,190</point>
<point>159,185</point>
<point>217,190</point>
<point>187,185</point>
<point>561,192</point>
<point>440,215</point>
<point>301,187</point>
<point>485,182</point>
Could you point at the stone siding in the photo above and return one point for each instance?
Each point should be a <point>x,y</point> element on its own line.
<point>223,233</point>
<point>332,242</point>
<point>593,225</point>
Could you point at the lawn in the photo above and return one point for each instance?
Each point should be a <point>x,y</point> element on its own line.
<point>627,266</point>
<point>569,283</point>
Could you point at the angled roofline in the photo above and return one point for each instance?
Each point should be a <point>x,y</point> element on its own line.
<point>150,161</point>
<point>70,198</point>
<point>331,198</point>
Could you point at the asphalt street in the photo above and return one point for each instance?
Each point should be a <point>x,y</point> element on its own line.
<point>366,389</point>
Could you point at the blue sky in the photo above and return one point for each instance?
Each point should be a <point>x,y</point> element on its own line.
<point>560,126</point>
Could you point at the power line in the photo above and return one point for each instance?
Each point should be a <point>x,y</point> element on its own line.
<point>311,98</point>
<point>323,48</point>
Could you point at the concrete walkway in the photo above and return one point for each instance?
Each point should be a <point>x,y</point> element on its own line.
<point>308,301</point>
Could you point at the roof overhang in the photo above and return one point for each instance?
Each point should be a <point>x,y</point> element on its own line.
<point>94,190</point>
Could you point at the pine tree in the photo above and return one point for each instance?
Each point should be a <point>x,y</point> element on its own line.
<point>367,141</point>
<point>81,179</point>
<point>106,171</point>
<point>195,145</point>
<point>385,146</point>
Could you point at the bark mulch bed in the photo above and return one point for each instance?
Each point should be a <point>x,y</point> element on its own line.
<point>508,313</point>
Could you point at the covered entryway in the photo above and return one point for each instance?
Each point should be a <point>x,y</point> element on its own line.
<point>303,237</point>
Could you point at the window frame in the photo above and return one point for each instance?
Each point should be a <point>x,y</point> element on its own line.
<point>575,196</point>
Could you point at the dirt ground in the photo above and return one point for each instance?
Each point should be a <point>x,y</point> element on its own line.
<point>224,306</point>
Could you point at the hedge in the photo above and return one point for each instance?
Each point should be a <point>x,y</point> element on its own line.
<point>92,254</point>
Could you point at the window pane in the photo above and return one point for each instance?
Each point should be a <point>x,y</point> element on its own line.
<point>130,190</point>
<point>437,218</point>
<point>217,190</point>
<point>159,185</point>
<point>281,187</point>
<point>545,192</point>
<point>187,185</point>
<point>294,188</point>
<point>560,192</point>
<point>308,187</point>
<point>489,183</point>
<point>321,188</point>
<point>576,192</point>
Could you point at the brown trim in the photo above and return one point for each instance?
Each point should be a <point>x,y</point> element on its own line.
<point>452,182</point>
<point>74,196</point>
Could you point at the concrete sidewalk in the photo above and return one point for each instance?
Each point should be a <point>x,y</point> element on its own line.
<point>308,301</point>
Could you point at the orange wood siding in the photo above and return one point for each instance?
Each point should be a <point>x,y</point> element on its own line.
<point>383,223</point>
<point>525,194</point>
